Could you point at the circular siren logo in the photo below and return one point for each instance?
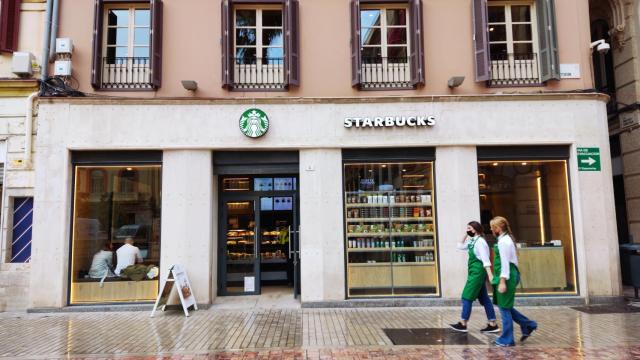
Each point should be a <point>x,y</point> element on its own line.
<point>254,123</point>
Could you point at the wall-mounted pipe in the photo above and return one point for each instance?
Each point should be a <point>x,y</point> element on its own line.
<point>28,129</point>
<point>44,63</point>
<point>54,30</point>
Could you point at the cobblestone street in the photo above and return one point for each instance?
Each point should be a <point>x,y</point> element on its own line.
<point>305,334</point>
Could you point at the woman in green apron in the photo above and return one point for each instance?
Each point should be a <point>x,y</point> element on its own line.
<point>507,276</point>
<point>478,270</point>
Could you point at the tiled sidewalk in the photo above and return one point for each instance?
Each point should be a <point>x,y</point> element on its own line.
<point>305,334</point>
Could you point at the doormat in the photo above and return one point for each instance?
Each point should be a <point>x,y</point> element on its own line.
<point>430,336</point>
<point>608,309</point>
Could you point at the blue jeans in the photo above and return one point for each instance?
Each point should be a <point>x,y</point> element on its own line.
<point>484,300</point>
<point>508,317</point>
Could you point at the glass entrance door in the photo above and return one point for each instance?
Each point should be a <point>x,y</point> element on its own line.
<point>259,235</point>
<point>276,230</point>
<point>241,260</point>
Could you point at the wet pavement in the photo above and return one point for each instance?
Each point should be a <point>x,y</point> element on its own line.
<point>289,333</point>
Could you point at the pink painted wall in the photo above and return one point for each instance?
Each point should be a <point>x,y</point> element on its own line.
<point>191,49</point>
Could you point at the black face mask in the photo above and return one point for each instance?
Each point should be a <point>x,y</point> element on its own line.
<point>471,233</point>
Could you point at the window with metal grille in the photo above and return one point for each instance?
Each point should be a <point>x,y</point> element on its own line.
<point>21,229</point>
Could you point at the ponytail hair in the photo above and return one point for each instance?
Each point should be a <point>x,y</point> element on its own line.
<point>503,224</point>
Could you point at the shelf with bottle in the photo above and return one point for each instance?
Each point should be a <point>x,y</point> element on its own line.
<point>394,263</point>
<point>411,258</point>
<point>403,213</point>
<point>388,198</point>
<point>387,234</point>
<point>387,219</point>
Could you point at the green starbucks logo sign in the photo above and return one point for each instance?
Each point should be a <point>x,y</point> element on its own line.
<point>254,123</point>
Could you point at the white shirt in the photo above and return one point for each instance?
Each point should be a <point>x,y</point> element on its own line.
<point>480,249</point>
<point>507,255</point>
<point>127,255</point>
<point>101,264</point>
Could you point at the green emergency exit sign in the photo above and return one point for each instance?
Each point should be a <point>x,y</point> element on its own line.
<point>589,159</point>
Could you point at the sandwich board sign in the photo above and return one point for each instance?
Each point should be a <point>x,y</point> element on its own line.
<point>178,279</point>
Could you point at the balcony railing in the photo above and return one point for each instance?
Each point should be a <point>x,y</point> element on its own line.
<point>259,73</point>
<point>515,69</point>
<point>126,73</point>
<point>385,72</point>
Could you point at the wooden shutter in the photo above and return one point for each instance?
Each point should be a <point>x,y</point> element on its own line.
<point>9,25</point>
<point>416,57</point>
<point>96,65</point>
<point>481,40</point>
<point>292,47</point>
<point>156,43</point>
<point>355,43</point>
<point>226,42</point>
<point>548,43</point>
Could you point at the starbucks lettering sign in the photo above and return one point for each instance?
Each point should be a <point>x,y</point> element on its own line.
<point>254,123</point>
<point>390,121</point>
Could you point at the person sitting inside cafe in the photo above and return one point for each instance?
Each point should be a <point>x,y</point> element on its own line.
<point>127,255</point>
<point>102,263</point>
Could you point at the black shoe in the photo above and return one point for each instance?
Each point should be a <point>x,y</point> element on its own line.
<point>490,329</point>
<point>459,327</point>
<point>525,336</point>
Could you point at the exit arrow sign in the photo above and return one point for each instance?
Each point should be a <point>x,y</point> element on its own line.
<point>589,159</point>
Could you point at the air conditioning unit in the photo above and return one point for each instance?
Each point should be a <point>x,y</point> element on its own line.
<point>22,63</point>
<point>64,46</point>
<point>62,68</point>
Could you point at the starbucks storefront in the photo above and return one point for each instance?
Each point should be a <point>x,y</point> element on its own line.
<point>358,200</point>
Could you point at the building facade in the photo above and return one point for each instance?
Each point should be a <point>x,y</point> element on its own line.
<point>617,73</point>
<point>336,149</point>
<point>21,32</point>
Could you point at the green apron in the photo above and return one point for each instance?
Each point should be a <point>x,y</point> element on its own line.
<point>506,299</point>
<point>475,276</point>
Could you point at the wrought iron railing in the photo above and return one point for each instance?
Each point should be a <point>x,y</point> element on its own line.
<point>126,73</point>
<point>515,69</point>
<point>385,72</point>
<point>259,73</point>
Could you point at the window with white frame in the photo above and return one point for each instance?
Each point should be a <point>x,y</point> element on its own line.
<point>512,42</point>
<point>259,47</point>
<point>127,46</point>
<point>384,34</point>
<point>384,42</point>
<point>128,32</point>
<point>259,35</point>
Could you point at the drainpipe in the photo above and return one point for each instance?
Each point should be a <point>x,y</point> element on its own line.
<point>28,130</point>
<point>44,63</point>
<point>54,30</point>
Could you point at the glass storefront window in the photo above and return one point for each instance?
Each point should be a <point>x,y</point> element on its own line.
<point>534,197</point>
<point>116,234</point>
<point>390,229</point>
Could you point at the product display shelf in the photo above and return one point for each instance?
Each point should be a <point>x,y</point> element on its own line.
<point>387,219</point>
<point>395,263</point>
<point>394,234</point>
<point>417,248</point>
<point>248,261</point>
<point>368,249</point>
<point>410,204</point>
<point>370,264</point>
<point>417,263</point>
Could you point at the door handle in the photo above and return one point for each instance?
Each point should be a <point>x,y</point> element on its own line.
<point>289,240</point>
